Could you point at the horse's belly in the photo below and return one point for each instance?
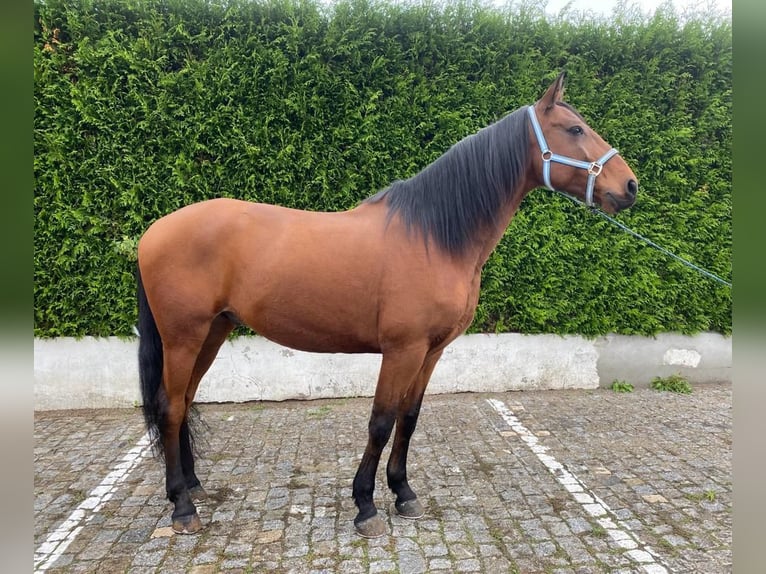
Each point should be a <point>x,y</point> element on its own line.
<point>320,342</point>
<point>321,322</point>
<point>303,335</point>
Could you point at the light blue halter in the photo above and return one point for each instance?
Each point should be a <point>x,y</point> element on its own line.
<point>593,168</point>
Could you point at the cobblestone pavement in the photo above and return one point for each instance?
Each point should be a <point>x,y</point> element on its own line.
<point>526,482</point>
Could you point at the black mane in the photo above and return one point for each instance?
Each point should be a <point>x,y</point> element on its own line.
<point>462,191</point>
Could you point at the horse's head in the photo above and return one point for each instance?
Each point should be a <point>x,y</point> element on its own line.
<point>574,158</point>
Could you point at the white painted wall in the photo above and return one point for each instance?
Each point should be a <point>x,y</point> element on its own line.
<point>102,373</point>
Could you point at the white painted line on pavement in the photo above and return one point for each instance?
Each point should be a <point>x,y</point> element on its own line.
<point>617,530</point>
<point>60,539</point>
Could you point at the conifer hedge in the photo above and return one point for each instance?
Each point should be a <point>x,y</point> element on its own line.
<point>143,106</point>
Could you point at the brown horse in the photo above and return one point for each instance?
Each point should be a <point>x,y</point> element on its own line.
<point>399,275</point>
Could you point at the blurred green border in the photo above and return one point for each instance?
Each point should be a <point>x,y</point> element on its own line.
<point>749,272</point>
<point>16,381</point>
<point>749,181</point>
<point>16,151</point>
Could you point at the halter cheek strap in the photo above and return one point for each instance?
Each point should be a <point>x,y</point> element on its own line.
<point>593,168</point>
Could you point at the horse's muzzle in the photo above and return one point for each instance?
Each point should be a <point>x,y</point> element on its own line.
<point>626,200</point>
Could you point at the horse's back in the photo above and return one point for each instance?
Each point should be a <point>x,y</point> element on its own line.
<point>229,229</point>
<point>304,279</point>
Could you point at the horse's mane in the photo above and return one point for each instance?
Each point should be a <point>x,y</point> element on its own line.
<point>462,191</point>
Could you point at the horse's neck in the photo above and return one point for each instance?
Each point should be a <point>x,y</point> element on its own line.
<point>488,238</point>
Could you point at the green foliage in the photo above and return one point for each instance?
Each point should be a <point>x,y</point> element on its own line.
<point>708,495</point>
<point>622,387</point>
<point>143,106</point>
<point>672,384</point>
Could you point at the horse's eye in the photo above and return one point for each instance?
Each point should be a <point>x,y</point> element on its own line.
<point>576,131</point>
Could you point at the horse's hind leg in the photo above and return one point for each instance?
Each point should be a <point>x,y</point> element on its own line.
<point>193,484</point>
<point>219,330</point>
<point>407,504</point>
<point>397,373</point>
<point>179,361</point>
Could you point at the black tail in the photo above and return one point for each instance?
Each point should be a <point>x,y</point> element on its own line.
<point>150,362</point>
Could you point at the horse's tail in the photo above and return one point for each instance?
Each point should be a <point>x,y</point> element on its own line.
<point>150,363</point>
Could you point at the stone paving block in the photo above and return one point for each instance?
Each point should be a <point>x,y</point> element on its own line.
<point>382,566</point>
<point>470,565</point>
<point>279,478</point>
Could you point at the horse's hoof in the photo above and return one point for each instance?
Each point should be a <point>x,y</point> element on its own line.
<point>372,527</point>
<point>198,494</point>
<point>187,524</point>
<point>411,509</point>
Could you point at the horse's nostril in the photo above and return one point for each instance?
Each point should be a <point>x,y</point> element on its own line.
<point>632,187</point>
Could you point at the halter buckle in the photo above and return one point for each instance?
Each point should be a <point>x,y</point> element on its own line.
<point>595,168</point>
<point>547,155</point>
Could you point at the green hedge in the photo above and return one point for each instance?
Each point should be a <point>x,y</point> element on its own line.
<point>143,106</point>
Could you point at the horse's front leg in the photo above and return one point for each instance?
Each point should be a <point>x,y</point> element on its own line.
<point>367,522</point>
<point>397,373</point>
<point>407,504</point>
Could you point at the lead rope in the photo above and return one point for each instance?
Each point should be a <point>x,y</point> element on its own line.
<point>625,228</point>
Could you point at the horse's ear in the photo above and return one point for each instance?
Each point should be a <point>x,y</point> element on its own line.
<point>554,93</point>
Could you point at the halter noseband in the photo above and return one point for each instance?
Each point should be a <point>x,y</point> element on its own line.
<point>593,168</point>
